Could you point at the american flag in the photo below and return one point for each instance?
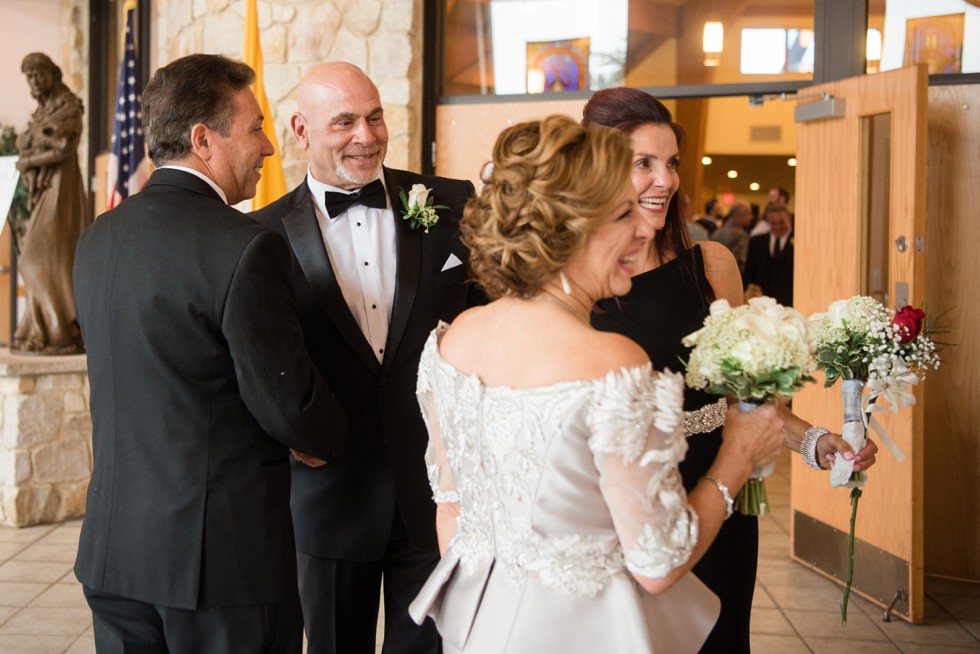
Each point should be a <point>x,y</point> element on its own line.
<point>127,161</point>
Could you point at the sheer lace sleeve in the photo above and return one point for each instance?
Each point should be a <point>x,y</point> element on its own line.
<point>436,459</point>
<point>637,439</point>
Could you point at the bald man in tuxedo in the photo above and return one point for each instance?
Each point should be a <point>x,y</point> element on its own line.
<point>371,285</point>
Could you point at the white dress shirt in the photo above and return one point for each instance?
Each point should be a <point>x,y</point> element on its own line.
<point>772,243</point>
<point>197,173</point>
<point>361,245</point>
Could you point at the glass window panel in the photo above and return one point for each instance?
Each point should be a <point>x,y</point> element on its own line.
<point>943,34</point>
<point>569,41</point>
<point>799,55</point>
<point>498,47</point>
<point>763,51</point>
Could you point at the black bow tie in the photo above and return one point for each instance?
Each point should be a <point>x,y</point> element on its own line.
<point>372,195</point>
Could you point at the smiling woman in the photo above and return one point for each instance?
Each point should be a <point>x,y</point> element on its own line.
<point>567,499</point>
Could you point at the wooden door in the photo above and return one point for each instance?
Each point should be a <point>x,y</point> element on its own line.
<point>871,162</point>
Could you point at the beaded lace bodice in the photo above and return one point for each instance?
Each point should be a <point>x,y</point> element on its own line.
<point>570,483</point>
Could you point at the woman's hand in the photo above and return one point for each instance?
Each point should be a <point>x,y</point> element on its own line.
<point>755,435</point>
<point>830,444</point>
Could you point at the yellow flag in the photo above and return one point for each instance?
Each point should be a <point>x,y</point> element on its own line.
<point>272,186</point>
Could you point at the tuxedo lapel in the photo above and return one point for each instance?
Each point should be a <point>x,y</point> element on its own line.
<point>307,244</point>
<point>408,246</point>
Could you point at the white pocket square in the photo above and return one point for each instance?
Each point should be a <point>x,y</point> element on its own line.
<point>451,262</point>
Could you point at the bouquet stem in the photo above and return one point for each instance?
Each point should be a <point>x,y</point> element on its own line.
<point>752,499</point>
<point>855,496</point>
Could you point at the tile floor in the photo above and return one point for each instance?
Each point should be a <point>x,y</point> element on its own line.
<point>42,609</point>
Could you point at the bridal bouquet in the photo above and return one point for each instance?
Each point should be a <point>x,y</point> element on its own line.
<point>874,349</point>
<point>755,352</point>
<point>870,348</point>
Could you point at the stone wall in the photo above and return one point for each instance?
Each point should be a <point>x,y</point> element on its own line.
<point>383,37</point>
<point>45,438</point>
<point>73,32</point>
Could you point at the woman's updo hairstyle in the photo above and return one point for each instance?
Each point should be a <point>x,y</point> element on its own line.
<point>552,184</point>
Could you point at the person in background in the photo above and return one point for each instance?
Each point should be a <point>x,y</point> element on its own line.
<point>711,220</point>
<point>769,264</point>
<point>734,234</point>
<point>694,230</point>
<point>200,385</point>
<point>777,195</point>
<point>674,283</point>
<point>554,447</point>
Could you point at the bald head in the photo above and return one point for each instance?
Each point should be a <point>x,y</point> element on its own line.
<point>341,123</point>
<point>741,214</point>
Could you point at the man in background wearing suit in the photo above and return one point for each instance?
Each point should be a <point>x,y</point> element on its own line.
<point>200,384</point>
<point>769,264</point>
<point>370,289</point>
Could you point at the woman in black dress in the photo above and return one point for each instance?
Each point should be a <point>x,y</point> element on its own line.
<point>672,288</point>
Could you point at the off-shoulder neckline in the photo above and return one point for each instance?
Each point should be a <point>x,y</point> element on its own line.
<point>624,372</point>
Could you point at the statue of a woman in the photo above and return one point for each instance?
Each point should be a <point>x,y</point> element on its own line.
<point>59,212</point>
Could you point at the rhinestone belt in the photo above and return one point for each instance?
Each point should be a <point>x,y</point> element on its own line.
<point>707,418</point>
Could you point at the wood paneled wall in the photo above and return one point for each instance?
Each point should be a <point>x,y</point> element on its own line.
<point>952,394</point>
<point>465,133</point>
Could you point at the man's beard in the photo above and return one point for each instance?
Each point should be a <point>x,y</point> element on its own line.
<point>345,173</point>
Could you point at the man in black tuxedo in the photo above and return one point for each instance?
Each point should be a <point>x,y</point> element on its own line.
<point>370,289</point>
<point>200,384</point>
<point>769,263</point>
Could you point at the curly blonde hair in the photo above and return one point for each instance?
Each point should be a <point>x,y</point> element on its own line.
<point>553,183</point>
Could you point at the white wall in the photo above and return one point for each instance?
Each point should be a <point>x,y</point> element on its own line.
<point>28,26</point>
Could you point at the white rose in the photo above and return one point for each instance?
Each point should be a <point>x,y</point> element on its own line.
<point>692,339</point>
<point>840,311</point>
<point>719,307</point>
<point>762,303</point>
<point>762,327</point>
<point>418,196</point>
<point>794,324</point>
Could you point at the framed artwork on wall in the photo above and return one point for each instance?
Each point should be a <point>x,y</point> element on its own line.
<point>936,41</point>
<point>554,66</point>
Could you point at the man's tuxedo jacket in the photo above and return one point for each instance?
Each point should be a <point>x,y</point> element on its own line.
<point>345,510</point>
<point>774,275</point>
<point>199,385</point>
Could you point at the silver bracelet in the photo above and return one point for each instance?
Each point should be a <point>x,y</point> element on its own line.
<point>808,446</point>
<point>723,489</point>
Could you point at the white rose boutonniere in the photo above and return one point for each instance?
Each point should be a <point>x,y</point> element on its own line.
<point>419,208</point>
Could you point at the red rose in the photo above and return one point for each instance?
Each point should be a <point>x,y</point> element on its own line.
<point>909,320</point>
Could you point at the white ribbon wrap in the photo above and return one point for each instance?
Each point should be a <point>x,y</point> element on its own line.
<point>856,436</point>
<point>854,432</point>
<point>896,391</point>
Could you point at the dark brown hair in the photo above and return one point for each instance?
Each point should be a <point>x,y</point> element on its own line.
<point>627,109</point>
<point>198,88</point>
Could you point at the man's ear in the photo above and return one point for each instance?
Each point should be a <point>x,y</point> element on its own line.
<point>298,123</point>
<point>201,141</point>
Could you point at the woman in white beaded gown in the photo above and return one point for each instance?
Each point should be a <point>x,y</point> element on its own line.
<point>553,447</point>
